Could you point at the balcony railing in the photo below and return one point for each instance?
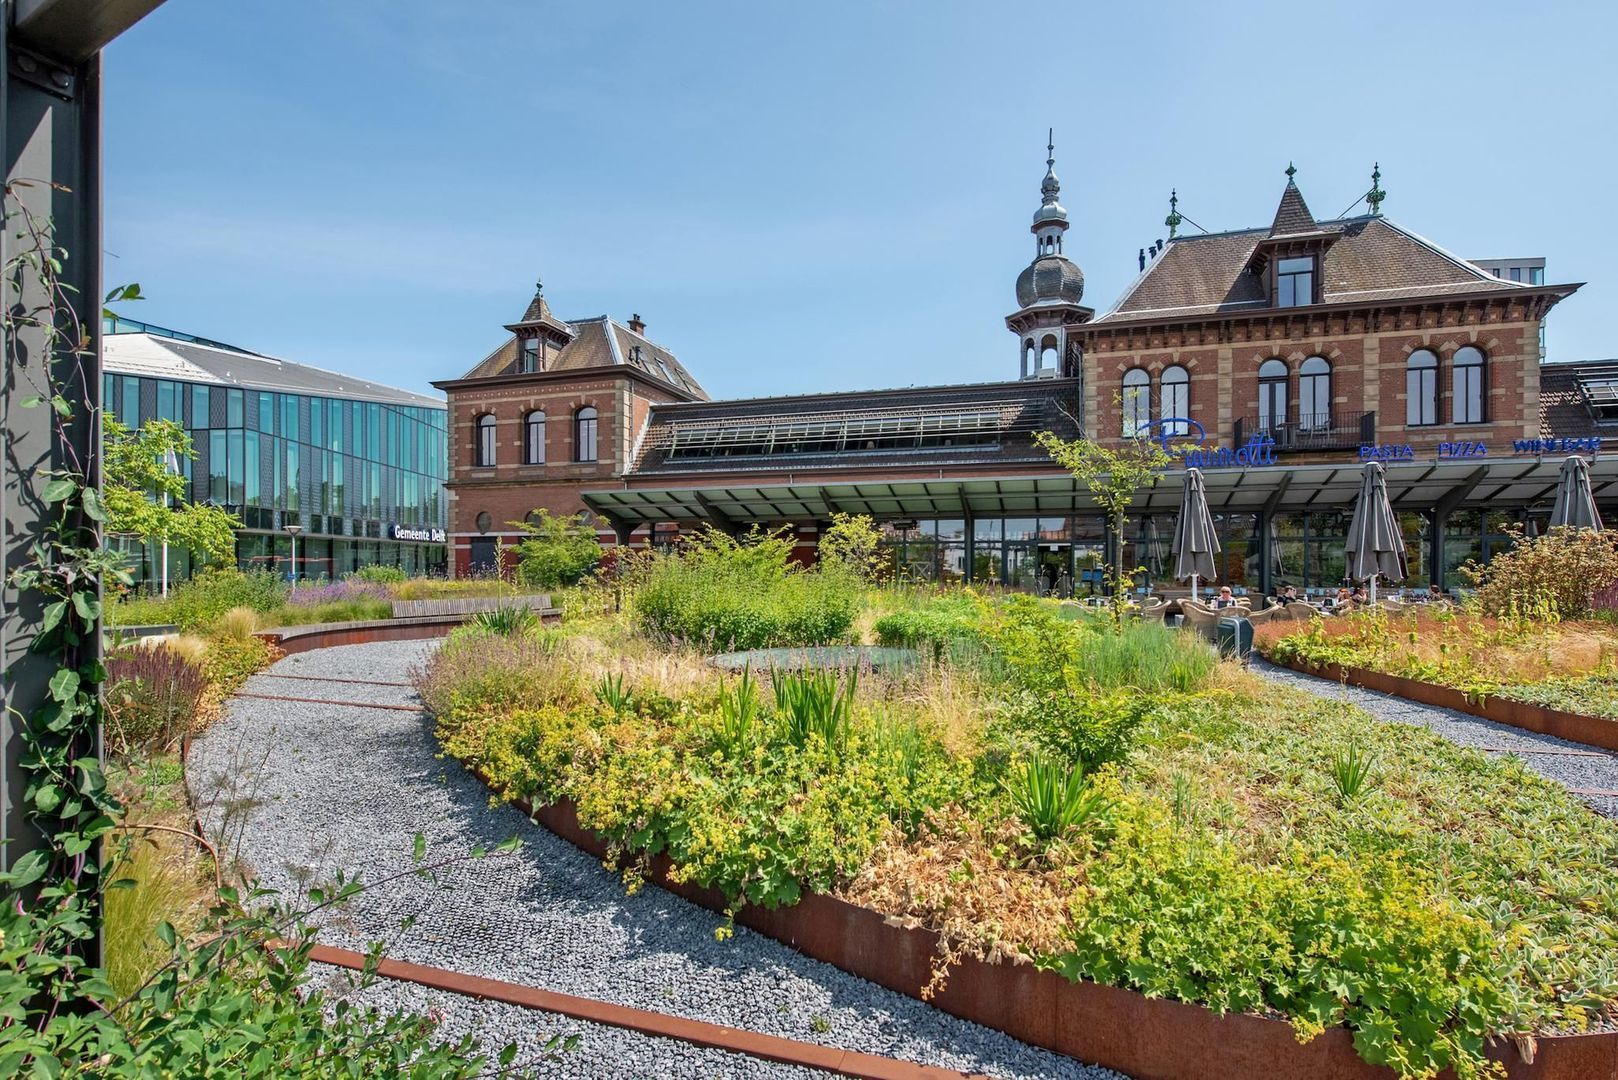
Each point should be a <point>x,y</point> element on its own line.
<point>1312,431</point>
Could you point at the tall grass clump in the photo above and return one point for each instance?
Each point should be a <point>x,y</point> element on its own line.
<point>723,594</point>
<point>161,886</point>
<point>1145,656</point>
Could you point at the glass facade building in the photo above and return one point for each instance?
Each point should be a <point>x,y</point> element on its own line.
<point>360,474</point>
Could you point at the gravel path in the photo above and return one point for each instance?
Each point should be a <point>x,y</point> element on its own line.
<point>305,789</point>
<point>1598,772</point>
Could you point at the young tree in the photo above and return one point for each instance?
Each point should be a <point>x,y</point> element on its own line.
<point>145,497</point>
<point>1113,477</point>
<point>558,551</point>
<point>853,542</point>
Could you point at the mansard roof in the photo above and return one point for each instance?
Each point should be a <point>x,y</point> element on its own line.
<point>1371,259</point>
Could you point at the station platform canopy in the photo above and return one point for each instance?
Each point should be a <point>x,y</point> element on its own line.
<point>1494,482</point>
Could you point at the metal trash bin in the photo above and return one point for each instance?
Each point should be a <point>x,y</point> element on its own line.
<point>1234,636</point>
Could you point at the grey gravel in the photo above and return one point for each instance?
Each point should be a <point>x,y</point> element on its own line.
<point>303,789</point>
<point>1589,772</point>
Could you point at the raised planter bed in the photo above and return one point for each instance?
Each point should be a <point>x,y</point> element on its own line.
<point>1574,727</point>
<point>469,605</point>
<point>297,639</point>
<point>1145,1038</point>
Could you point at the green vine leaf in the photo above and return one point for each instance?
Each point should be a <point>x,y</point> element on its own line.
<point>59,489</point>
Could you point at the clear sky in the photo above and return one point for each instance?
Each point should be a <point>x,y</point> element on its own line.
<point>815,196</point>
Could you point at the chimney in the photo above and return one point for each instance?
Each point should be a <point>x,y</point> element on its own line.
<point>1143,258</point>
<point>636,325</point>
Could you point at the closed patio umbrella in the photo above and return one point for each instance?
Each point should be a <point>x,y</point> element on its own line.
<point>1195,541</point>
<point>1575,502</point>
<point>1376,544</point>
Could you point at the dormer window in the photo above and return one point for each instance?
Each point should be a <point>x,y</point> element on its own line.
<point>1295,281</point>
<point>528,361</point>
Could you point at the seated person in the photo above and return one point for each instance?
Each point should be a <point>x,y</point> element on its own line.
<point>1289,595</point>
<point>1435,592</point>
<point>1344,595</point>
<point>1224,599</point>
<point>1359,595</point>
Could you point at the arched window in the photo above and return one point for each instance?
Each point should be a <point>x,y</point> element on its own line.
<point>1174,400</point>
<point>1028,357</point>
<point>1047,353</point>
<point>483,455</point>
<point>1272,395</point>
<point>1137,402</point>
<point>1469,385</point>
<point>1314,394</point>
<point>584,434</point>
<point>1421,388</point>
<point>533,439</point>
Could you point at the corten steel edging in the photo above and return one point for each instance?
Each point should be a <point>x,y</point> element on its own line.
<point>697,1032</point>
<point>1574,727</point>
<point>1145,1038</point>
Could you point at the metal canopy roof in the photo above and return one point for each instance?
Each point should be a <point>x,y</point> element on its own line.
<point>1417,485</point>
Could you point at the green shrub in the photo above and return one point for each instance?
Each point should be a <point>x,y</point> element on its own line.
<point>1549,576</point>
<point>950,626</point>
<point>377,574</point>
<point>723,594</point>
<point>229,661</point>
<point>557,551</point>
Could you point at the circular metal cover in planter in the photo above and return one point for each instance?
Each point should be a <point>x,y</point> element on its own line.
<point>817,656</point>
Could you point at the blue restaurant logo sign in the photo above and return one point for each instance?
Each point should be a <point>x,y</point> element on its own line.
<point>1466,448</point>
<point>1187,440</point>
<point>1556,446</point>
<point>1388,452</point>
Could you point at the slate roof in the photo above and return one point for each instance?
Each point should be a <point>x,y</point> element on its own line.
<point>1372,259</point>
<point>1019,409</point>
<point>599,341</point>
<point>159,357</point>
<point>1293,215</point>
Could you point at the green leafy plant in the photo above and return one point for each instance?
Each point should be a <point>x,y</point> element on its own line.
<point>1547,577</point>
<point>151,697</point>
<point>738,714</point>
<point>146,496</point>
<point>378,574</point>
<point>610,692</point>
<point>508,620</point>
<point>812,704</point>
<point>854,543</point>
<point>1052,799</point>
<point>1350,769</point>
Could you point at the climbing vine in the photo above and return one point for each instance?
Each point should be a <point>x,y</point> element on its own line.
<point>233,999</point>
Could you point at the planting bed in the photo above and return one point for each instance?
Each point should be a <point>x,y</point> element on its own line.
<point>839,657</point>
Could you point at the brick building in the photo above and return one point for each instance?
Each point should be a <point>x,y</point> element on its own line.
<point>1279,357</point>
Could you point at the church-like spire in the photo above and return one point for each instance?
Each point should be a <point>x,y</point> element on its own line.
<point>1051,187</point>
<point>1174,220</point>
<point>1050,220</point>
<point>1292,215</point>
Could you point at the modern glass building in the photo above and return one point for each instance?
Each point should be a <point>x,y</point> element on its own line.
<point>358,468</point>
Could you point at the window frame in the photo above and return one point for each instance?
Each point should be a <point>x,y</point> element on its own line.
<point>1136,398</point>
<point>1280,376</point>
<point>1421,389</point>
<point>1174,399</point>
<point>1477,380</point>
<point>1286,280</point>
<point>580,445</point>
<point>1310,390</point>
<point>485,443</point>
<point>534,418</point>
<point>529,354</point>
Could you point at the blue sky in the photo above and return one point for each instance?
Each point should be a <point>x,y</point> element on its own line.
<point>807,197</point>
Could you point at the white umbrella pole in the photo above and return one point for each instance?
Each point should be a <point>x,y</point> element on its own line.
<point>1193,586</point>
<point>1373,588</point>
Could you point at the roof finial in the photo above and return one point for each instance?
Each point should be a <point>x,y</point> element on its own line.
<point>1375,196</point>
<point>539,287</point>
<point>1050,147</point>
<point>1174,218</point>
<point>1292,170</point>
<point>1051,188</point>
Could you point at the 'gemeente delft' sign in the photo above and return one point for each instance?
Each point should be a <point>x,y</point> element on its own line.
<point>415,532</point>
<point>1186,440</point>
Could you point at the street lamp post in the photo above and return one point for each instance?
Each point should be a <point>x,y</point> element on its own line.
<point>171,466</point>
<point>293,531</point>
